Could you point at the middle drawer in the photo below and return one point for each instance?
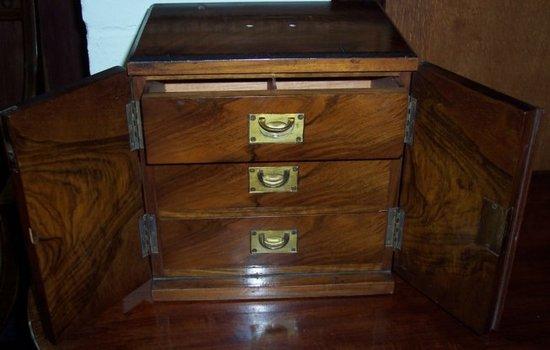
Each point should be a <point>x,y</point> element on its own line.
<point>214,190</point>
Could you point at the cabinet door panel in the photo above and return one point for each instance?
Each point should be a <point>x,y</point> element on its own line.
<point>80,199</point>
<point>463,191</point>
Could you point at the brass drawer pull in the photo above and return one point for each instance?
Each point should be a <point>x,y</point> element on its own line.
<point>273,179</point>
<point>273,241</point>
<point>276,128</point>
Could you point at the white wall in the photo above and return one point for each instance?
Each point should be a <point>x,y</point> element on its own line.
<point>112,26</point>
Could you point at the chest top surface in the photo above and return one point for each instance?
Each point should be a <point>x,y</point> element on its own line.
<point>348,34</point>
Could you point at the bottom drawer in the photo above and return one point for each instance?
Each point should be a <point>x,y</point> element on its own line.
<point>324,243</point>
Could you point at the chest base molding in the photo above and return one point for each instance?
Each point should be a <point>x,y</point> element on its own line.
<point>273,286</point>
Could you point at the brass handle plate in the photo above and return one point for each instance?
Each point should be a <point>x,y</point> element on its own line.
<point>274,241</point>
<point>273,179</point>
<point>276,128</point>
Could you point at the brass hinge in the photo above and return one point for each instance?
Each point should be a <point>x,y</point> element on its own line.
<point>394,230</point>
<point>411,116</point>
<point>135,131</point>
<point>493,226</point>
<point>148,234</point>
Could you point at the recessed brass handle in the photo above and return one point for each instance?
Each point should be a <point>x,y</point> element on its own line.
<point>273,180</point>
<point>274,242</point>
<point>275,128</point>
<point>267,179</point>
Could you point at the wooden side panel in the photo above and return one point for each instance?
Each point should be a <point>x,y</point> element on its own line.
<point>186,191</point>
<point>486,41</point>
<point>80,198</point>
<point>470,157</point>
<point>326,243</point>
<point>352,124</point>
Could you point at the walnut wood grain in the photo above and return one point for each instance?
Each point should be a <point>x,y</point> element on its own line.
<point>80,199</point>
<point>203,128</point>
<point>187,191</point>
<point>254,38</point>
<point>470,144</point>
<point>326,243</point>
<point>404,320</point>
<point>273,287</point>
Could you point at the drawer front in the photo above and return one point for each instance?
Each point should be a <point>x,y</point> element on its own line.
<point>324,243</point>
<point>359,125</point>
<point>188,191</point>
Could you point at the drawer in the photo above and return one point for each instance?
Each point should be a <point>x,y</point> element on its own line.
<point>206,190</point>
<point>324,243</point>
<point>215,127</point>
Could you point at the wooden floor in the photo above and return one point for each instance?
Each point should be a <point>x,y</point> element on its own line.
<point>527,310</point>
<point>405,320</point>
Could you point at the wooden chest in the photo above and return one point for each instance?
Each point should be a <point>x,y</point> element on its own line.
<point>255,151</point>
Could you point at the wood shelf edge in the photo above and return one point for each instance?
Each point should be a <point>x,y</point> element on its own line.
<point>277,287</point>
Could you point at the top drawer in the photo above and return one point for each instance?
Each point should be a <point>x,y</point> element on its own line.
<point>215,126</point>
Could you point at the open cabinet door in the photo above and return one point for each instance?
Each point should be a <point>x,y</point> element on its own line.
<point>465,179</point>
<point>80,199</point>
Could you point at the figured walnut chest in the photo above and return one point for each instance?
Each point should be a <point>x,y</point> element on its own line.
<point>270,150</point>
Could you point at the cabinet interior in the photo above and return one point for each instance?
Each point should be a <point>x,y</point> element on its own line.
<point>265,84</point>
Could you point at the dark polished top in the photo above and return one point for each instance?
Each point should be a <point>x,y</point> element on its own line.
<point>277,30</point>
